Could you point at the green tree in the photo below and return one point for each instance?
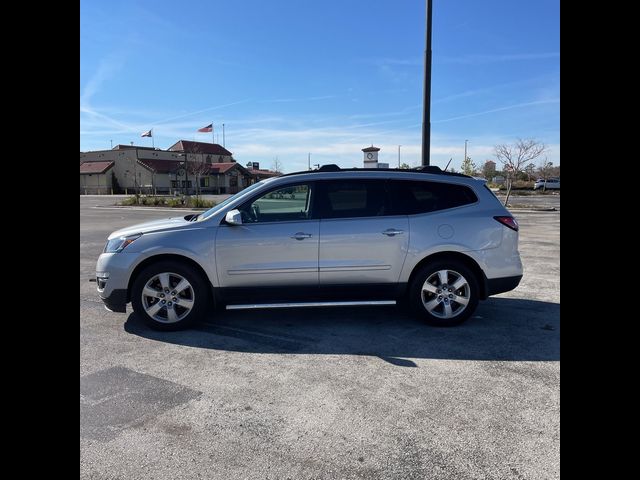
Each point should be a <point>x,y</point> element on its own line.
<point>489,170</point>
<point>468,167</point>
<point>405,166</point>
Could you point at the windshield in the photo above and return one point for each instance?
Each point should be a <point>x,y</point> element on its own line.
<point>220,206</point>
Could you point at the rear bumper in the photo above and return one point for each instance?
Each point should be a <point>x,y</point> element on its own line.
<point>116,301</point>
<point>501,285</point>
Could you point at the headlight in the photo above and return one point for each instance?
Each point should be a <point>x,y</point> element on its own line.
<point>118,244</point>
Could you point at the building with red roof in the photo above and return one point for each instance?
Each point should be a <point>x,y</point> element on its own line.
<point>185,167</point>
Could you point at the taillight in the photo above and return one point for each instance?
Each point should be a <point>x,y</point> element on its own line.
<point>508,222</point>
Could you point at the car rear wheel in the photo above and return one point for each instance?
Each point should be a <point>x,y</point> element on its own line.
<point>444,293</point>
<point>169,295</point>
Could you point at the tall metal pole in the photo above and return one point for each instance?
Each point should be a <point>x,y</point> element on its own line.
<point>465,151</point>
<point>399,155</point>
<point>426,114</point>
<point>309,161</point>
<point>223,135</point>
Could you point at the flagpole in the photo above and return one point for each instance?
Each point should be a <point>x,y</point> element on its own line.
<point>223,135</point>
<point>212,134</point>
<point>153,143</point>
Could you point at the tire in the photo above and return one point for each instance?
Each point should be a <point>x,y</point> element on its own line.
<point>180,309</point>
<point>444,312</point>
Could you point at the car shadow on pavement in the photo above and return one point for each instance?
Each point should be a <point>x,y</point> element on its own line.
<point>503,329</point>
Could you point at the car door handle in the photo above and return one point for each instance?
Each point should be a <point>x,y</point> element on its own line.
<point>301,236</point>
<point>390,232</point>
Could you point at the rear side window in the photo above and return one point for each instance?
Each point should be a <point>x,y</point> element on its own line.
<point>352,198</point>
<point>410,197</point>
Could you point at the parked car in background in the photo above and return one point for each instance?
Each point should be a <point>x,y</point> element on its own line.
<point>549,184</point>
<point>442,241</point>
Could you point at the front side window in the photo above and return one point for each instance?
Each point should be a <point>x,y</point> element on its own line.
<point>353,198</point>
<point>291,203</point>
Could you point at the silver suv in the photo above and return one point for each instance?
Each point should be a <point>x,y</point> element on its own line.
<point>441,241</point>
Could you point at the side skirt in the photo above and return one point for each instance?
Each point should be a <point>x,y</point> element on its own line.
<point>310,294</point>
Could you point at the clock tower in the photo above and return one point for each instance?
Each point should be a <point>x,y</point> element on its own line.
<point>371,157</point>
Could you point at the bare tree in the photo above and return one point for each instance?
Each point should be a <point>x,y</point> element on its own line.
<point>545,171</point>
<point>277,166</point>
<point>515,157</point>
<point>199,169</point>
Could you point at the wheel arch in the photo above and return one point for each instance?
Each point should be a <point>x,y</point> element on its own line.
<point>167,256</point>
<point>465,259</point>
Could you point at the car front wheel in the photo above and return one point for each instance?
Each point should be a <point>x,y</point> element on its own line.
<point>169,295</point>
<point>444,293</point>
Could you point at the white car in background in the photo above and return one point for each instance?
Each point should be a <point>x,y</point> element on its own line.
<point>550,184</point>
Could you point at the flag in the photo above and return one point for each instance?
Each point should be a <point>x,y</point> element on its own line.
<point>208,128</point>
<point>147,134</point>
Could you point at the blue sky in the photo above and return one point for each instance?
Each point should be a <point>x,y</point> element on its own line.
<point>291,77</point>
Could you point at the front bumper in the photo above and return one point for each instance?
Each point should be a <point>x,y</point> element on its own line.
<point>113,287</point>
<point>116,301</point>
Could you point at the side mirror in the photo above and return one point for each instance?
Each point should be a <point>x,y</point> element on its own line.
<point>233,217</point>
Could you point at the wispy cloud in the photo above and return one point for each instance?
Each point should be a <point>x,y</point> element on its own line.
<point>404,111</point>
<point>107,68</point>
<point>500,109</point>
<point>304,99</point>
<point>478,59</point>
<point>550,83</point>
<point>396,70</point>
<point>105,118</point>
<point>337,139</point>
<point>404,62</point>
<point>197,112</point>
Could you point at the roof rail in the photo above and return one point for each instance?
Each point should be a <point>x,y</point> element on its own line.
<point>332,167</point>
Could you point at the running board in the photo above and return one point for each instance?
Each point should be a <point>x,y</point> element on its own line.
<point>309,304</point>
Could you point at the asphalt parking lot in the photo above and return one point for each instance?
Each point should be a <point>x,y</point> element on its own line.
<point>324,393</point>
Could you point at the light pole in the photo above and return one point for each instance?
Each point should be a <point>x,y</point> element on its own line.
<point>399,155</point>
<point>465,151</point>
<point>426,110</point>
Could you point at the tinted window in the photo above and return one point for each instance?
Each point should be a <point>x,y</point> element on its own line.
<point>284,204</point>
<point>352,198</point>
<point>411,197</point>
